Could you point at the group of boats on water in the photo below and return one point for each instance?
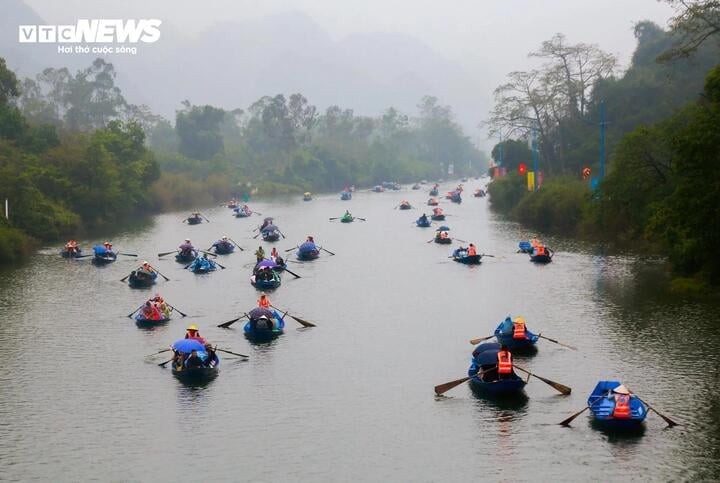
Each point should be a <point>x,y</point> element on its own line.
<point>492,372</point>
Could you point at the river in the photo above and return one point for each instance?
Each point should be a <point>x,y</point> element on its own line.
<point>352,399</point>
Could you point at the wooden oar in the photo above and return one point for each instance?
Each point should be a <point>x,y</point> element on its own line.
<point>227,324</point>
<point>158,352</point>
<point>133,312</point>
<point>233,353</point>
<point>162,364</point>
<point>281,234</point>
<point>176,310</point>
<point>336,218</point>
<point>128,254</point>
<point>557,342</point>
<point>84,256</point>
<point>300,321</point>
<point>256,213</point>
<point>669,421</point>
<point>323,249</point>
<point>216,263</point>
<point>292,273</point>
<point>236,244</point>
<point>291,249</point>
<point>158,272</point>
<point>566,422</point>
<point>461,241</point>
<point>125,277</point>
<point>560,387</point>
<point>358,218</point>
<point>167,253</point>
<point>209,253</point>
<point>443,388</point>
<point>204,217</point>
<point>256,236</point>
<point>477,341</point>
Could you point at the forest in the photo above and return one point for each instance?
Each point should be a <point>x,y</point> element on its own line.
<point>661,188</point>
<point>75,155</point>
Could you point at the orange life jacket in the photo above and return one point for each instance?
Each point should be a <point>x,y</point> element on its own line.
<point>472,251</point>
<point>519,330</point>
<point>504,362</point>
<point>540,250</point>
<point>534,242</point>
<point>622,406</point>
<point>264,303</point>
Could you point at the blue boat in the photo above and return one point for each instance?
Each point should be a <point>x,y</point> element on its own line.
<point>103,256</point>
<point>602,406</point>
<point>434,192</point>
<point>504,335</point>
<point>423,222</point>
<point>461,256</point>
<point>142,278</point>
<point>262,329</point>
<point>202,265</point>
<point>242,212</point>
<point>484,358</point>
<point>223,247</point>
<point>186,257</point>
<point>308,251</point>
<point>455,197</point>
<point>270,233</point>
<point>346,195</point>
<point>266,284</point>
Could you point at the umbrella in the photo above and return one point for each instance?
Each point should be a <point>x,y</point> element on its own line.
<point>188,345</point>
<point>307,247</point>
<point>270,227</point>
<point>269,219</point>
<point>266,263</point>
<point>258,312</point>
<point>485,354</point>
<point>444,228</point>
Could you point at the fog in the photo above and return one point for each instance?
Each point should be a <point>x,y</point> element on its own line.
<point>364,55</point>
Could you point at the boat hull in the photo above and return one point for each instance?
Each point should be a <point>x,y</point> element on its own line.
<point>423,224</point>
<point>434,192</point>
<point>349,219</point>
<point>70,254</point>
<point>104,259</point>
<point>196,374</point>
<point>270,236</point>
<point>141,321</point>
<point>602,407</point>
<point>263,334</point>
<point>144,281</point>
<point>516,345</point>
<point>540,258</point>
<point>194,221</point>
<point>308,255</point>
<point>346,196</point>
<point>469,259</point>
<point>438,217</point>
<point>443,241</point>
<point>180,258</point>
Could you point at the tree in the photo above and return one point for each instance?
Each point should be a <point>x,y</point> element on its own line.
<point>695,22</point>
<point>514,152</point>
<point>8,84</point>
<point>198,128</point>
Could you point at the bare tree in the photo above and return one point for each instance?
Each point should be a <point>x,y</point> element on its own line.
<point>695,21</point>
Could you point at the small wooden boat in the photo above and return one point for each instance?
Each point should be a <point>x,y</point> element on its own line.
<point>405,206</point>
<point>142,278</point>
<point>103,256</point>
<point>202,265</point>
<point>504,335</point>
<point>194,220</point>
<point>416,186</point>
<point>543,258</point>
<point>433,202</point>
<point>602,401</point>
<point>525,247</point>
<point>347,219</point>
<point>434,192</point>
<point>307,196</point>
<point>185,257</point>
<point>270,235</point>
<point>484,358</point>
<point>265,284</point>
<point>346,195</point>
<point>461,256</point>
<point>442,241</point>
<point>66,253</point>
<point>224,248</point>
<point>264,329</point>
<point>438,217</point>
<point>240,213</point>
<point>378,189</point>
<point>423,222</point>
<point>308,251</point>
<point>141,321</point>
<point>479,193</point>
<point>455,197</point>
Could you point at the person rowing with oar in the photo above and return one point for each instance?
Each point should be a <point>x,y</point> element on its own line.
<point>187,249</point>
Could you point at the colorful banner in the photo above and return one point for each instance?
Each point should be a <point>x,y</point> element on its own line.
<point>530,180</point>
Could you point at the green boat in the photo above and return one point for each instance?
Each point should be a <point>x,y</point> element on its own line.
<point>347,218</point>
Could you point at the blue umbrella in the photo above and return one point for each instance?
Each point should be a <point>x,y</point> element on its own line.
<point>486,353</point>
<point>444,228</point>
<point>188,345</point>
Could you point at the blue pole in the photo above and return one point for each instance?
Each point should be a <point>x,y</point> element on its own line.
<point>535,158</point>
<point>602,139</point>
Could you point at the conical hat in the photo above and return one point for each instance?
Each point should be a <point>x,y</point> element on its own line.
<point>621,389</point>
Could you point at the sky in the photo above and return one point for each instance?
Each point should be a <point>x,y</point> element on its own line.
<point>487,38</point>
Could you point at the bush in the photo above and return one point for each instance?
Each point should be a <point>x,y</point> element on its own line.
<point>506,192</point>
<point>557,206</point>
<point>14,244</point>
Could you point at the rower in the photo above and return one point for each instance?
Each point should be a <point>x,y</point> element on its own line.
<point>274,255</point>
<point>471,251</point>
<point>107,246</point>
<point>146,266</point>
<point>505,365</point>
<point>423,218</point>
<point>186,248</point>
<point>194,333</point>
<point>194,360</point>
<point>622,396</point>
<point>310,239</point>
<point>264,301</point>
<point>519,330</point>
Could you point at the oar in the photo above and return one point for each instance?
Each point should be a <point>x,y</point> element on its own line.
<point>256,213</point>
<point>336,218</point>
<point>125,278</point>
<point>281,234</point>
<point>477,341</point>
<point>256,236</point>
<point>128,254</point>
<point>358,218</point>
<point>227,324</point>
<point>487,255</point>
<point>162,364</point>
<point>430,241</point>
<point>204,217</point>
<point>291,249</point>
<point>443,388</point>
<point>300,321</point>
<point>233,353</point>
<point>166,253</point>
<point>558,343</point>
<point>158,352</point>
<point>158,272</point>
<point>566,422</point>
<point>236,244</point>
<point>85,256</point>
<point>669,421</point>
<point>216,263</point>
<point>292,273</point>
<point>560,387</point>
<point>461,241</point>
<point>130,317</point>
<point>209,253</point>
<point>331,253</point>
<point>176,310</point>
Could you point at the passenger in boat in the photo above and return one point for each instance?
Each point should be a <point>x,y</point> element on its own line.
<point>107,246</point>
<point>221,243</point>
<point>187,248</point>
<point>71,246</point>
<point>265,273</point>
<point>347,214</point>
<point>505,364</point>
<point>621,395</point>
<point>212,359</point>
<point>151,312</point>
<point>423,218</point>
<point>194,333</point>
<point>260,254</point>
<point>534,242</point>
<point>471,251</point>
<point>274,255</point>
<point>519,330</point>
<point>161,305</point>
<point>444,234</point>
<point>194,360</point>
<point>310,239</point>
<point>146,267</point>
<point>264,301</point>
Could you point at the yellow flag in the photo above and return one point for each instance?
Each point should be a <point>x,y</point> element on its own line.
<point>531,180</point>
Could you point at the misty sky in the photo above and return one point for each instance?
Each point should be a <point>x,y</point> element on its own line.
<point>487,38</point>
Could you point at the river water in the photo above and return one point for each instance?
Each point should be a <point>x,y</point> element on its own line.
<point>352,399</point>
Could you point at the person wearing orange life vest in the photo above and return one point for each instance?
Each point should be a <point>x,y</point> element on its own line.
<point>146,266</point>
<point>505,365</point>
<point>534,242</point>
<point>471,251</point>
<point>540,250</point>
<point>194,333</point>
<point>264,301</point>
<point>622,403</point>
<point>519,328</point>
<point>274,254</point>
